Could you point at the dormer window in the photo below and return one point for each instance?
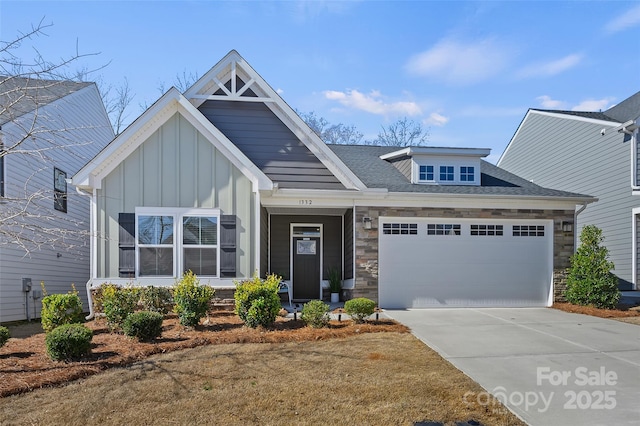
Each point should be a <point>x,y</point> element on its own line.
<point>446,174</point>
<point>467,174</point>
<point>426,173</point>
<point>428,165</point>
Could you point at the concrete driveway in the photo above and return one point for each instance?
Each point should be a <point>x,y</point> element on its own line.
<point>549,367</point>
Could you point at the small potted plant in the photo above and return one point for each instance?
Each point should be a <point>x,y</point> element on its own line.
<point>335,284</point>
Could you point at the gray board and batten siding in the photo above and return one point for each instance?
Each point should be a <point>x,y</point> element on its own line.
<point>573,155</point>
<point>175,167</point>
<point>332,243</point>
<point>269,144</point>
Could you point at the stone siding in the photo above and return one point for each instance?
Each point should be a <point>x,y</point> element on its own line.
<point>366,282</point>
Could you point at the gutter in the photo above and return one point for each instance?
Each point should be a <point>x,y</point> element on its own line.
<point>575,222</point>
<point>91,250</point>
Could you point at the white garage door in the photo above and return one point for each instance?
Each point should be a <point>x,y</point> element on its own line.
<point>427,262</point>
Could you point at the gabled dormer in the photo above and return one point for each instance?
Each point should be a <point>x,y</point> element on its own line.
<point>439,166</point>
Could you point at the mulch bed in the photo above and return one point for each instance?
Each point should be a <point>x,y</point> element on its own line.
<point>622,312</point>
<point>24,364</point>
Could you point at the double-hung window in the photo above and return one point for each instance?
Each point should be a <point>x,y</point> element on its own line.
<point>171,242</point>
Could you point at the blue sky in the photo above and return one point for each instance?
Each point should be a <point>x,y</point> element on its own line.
<point>467,70</point>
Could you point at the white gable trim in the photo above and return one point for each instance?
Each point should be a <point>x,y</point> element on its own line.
<point>555,115</point>
<point>91,175</point>
<point>204,88</point>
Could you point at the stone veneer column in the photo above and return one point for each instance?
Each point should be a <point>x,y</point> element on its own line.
<point>366,242</point>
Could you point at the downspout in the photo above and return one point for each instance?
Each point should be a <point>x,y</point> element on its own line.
<point>575,226</point>
<point>91,251</point>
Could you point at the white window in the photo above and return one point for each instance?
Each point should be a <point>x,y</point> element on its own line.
<point>426,173</point>
<point>467,174</point>
<point>446,173</point>
<point>170,240</point>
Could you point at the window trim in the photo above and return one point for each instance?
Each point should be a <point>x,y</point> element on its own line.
<point>178,245</point>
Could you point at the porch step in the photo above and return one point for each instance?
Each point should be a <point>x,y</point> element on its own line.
<point>630,298</point>
<point>222,305</point>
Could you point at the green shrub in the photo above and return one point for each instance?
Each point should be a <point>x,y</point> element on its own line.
<point>315,314</point>
<point>69,341</point>
<point>144,325</point>
<point>156,299</point>
<point>257,300</point>
<point>191,299</point>
<point>118,303</point>
<point>59,309</point>
<point>359,308</point>
<point>4,335</point>
<point>590,281</point>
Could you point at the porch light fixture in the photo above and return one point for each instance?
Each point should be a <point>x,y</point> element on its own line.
<point>567,226</point>
<point>367,222</point>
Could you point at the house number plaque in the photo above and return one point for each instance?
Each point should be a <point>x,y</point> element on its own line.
<point>305,202</point>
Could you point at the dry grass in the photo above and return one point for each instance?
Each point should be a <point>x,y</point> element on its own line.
<point>375,373</point>
<point>372,378</point>
<point>623,314</point>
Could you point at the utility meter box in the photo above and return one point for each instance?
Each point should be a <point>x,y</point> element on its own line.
<point>26,285</point>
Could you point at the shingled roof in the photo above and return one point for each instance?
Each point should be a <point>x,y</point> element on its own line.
<point>19,96</point>
<point>365,162</point>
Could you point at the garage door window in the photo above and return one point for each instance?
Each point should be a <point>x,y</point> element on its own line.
<point>488,230</point>
<point>400,229</point>
<point>528,230</point>
<point>443,229</point>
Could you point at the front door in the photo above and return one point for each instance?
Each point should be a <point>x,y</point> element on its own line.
<point>306,267</point>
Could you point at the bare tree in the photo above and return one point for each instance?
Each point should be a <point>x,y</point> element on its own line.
<point>34,141</point>
<point>331,133</point>
<point>403,132</point>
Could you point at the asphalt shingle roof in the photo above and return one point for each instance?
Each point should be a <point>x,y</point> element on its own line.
<point>365,162</point>
<point>19,95</point>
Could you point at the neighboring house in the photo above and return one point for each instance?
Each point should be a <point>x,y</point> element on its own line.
<point>594,153</point>
<point>227,180</point>
<point>59,126</point>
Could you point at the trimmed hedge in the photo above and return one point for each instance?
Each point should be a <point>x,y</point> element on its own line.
<point>257,300</point>
<point>59,309</point>
<point>315,314</point>
<point>191,299</point>
<point>360,308</point>
<point>69,342</point>
<point>118,303</point>
<point>4,335</point>
<point>143,325</point>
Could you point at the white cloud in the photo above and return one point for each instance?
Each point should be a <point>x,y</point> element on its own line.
<point>436,119</point>
<point>460,63</point>
<point>593,105</point>
<point>547,69</point>
<point>279,91</point>
<point>548,103</point>
<point>373,103</point>
<point>628,19</point>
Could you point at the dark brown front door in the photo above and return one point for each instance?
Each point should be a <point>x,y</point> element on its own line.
<point>306,268</point>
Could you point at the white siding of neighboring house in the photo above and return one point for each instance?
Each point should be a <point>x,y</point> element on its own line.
<point>572,155</point>
<point>80,123</point>
<point>175,167</point>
